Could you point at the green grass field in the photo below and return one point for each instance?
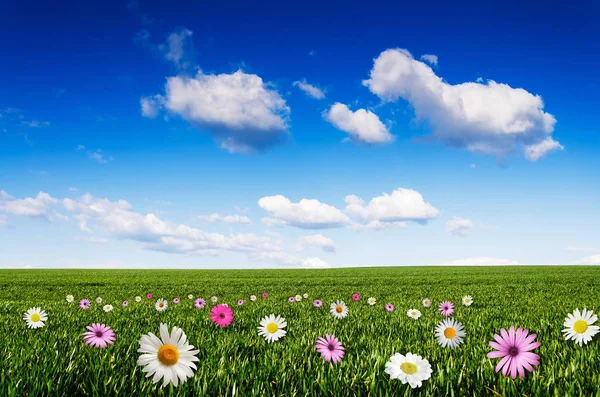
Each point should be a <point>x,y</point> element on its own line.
<point>54,360</point>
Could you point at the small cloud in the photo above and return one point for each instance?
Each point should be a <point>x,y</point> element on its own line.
<point>73,189</point>
<point>430,59</point>
<point>309,89</point>
<point>36,124</point>
<point>459,227</point>
<point>473,166</point>
<point>99,157</point>
<point>316,240</point>
<point>231,219</point>
<point>479,80</point>
<point>80,147</point>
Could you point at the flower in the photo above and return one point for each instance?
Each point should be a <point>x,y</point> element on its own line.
<point>190,296</point>
<point>176,300</point>
<point>272,328</point>
<point>317,303</point>
<point>291,299</point>
<point>264,295</point>
<point>413,313</point>
<point>467,300</point>
<point>138,298</point>
<point>125,303</point>
<point>515,351</point>
<point>371,301</point>
<point>98,300</point>
<point>450,333</point>
<point>305,296</point>
<point>579,326</point>
<point>447,308</point>
<point>149,296</point>
<point>253,298</point>
<point>240,302</point>
<point>199,303</point>
<point>338,310</point>
<point>330,348</point>
<point>99,335</point>
<point>70,298</point>
<point>107,308</point>
<point>298,298</point>
<point>389,307</point>
<point>84,304</point>
<point>426,302</point>
<point>355,297</point>
<point>214,299</point>
<point>35,317</point>
<point>170,358</point>
<point>161,305</point>
<point>222,315</point>
<point>411,369</point>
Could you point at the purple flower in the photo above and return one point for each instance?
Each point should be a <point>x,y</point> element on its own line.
<point>199,303</point>
<point>389,307</point>
<point>99,335</point>
<point>291,299</point>
<point>125,303</point>
<point>515,351</point>
<point>447,308</point>
<point>240,302</point>
<point>84,304</point>
<point>317,303</point>
<point>330,348</point>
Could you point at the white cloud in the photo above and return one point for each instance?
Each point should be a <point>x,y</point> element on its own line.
<point>31,207</point>
<point>310,89</point>
<point>237,219</point>
<point>491,118</point>
<point>151,106</point>
<point>285,259</point>
<point>430,59</point>
<point>174,49</point>
<point>306,214</point>
<point>481,261</point>
<point>36,124</point>
<point>588,260</point>
<point>316,240</point>
<point>459,226</point>
<point>362,125</point>
<point>80,147</point>
<point>584,249</point>
<point>401,205</point>
<point>99,157</point>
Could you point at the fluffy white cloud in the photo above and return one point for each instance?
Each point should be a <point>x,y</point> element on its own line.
<point>152,105</point>
<point>459,226</point>
<point>430,59</point>
<point>490,118</point>
<point>285,259</point>
<point>482,261</point>
<point>32,207</point>
<point>362,125</point>
<point>401,205</point>
<point>588,260</point>
<point>316,240</point>
<point>310,89</point>
<point>216,217</point>
<point>306,214</point>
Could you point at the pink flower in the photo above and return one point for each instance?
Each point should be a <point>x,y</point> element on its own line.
<point>330,348</point>
<point>176,300</point>
<point>221,315</point>
<point>240,302</point>
<point>317,303</point>
<point>99,335</point>
<point>515,350</point>
<point>264,294</point>
<point>291,299</point>
<point>355,297</point>
<point>125,303</point>
<point>447,308</point>
<point>84,304</point>
<point>199,303</point>
<point>389,307</point>
<point>149,296</point>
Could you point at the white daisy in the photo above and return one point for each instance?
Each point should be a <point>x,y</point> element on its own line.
<point>161,305</point>
<point>98,300</point>
<point>190,296</point>
<point>579,326</point>
<point>214,299</point>
<point>450,333</point>
<point>253,298</point>
<point>413,313</point>
<point>107,308</point>
<point>138,298</point>
<point>35,317</point>
<point>271,328</point>
<point>467,300</point>
<point>371,301</point>
<point>170,357</point>
<point>70,298</point>
<point>298,298</point>
<point>426,302</point>
<point>338,309</point>
<point>305,296</point>
<point>411,369</point>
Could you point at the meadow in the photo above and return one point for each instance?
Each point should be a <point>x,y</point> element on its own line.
<point>54,361</point>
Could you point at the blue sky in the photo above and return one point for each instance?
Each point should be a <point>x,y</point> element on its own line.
<point>213,135</point>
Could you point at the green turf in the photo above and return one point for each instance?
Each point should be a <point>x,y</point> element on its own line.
<point>54,361</point>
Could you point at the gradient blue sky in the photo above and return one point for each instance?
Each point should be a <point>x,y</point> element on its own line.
<point>76,78</point>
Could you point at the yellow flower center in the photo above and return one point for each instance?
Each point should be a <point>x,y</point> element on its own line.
<point>272,328</point>
<point>161,304</point>
<point>467,300</point>
<point>339,309</point>
<point>449,333</point>
<point>408,368</point>
<point>35,317</point>
<point>414,313</point>
<point>580,326</point>
<point>168,355</point>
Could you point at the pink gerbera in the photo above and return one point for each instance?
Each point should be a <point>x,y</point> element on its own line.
<point>317,303</point>
<point>264,294</point>
<point>240,302</point>
<point>199,303</point>
<point>99,335</point>
<point>447,308</point>
<point>149,296</point>
<point>389,307</point>
<point>125,303</point>
<point>291,299</point>
<point>355,297</point>
<point>176,300</point>
<point>84,304</point>
<point>330,348</point>
<point>515,350</point>
<point>221,315</point>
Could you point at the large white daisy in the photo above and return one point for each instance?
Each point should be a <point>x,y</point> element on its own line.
<point>35,317</point>
<point>169,357</point>
<point>411,369</point>
<point>338,309</point>
<point>161,305</point>
<point>467,300</point>
<point>272,328</point>
<point>579,326</point>
<point>450,333</point>
<point>413,313</point>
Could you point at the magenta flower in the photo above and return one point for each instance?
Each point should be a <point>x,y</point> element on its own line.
<point>176,300</point>
<point>317,303</point>
<point>199,303</point>
<point>515,350</point>
<point>222,315</point>
<point>125,303</point>
<point>291,299</point>
<point>99,335</point>
<point>389,307</point>
<point>447,308</point>
<point>355,297</point>
<point>149,296</point>
<point>240,302</point>
<point>264,294</point>
<point>84,304</point>
<point>330,348</point>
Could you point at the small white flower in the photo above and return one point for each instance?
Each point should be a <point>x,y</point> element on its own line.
<point>107,308</point>
<point>190,296</point>
<point>298,298</point>
<point>35,317</point>
<point>70,298</point>
<point>161,305</point>
<point>253,298</point>
<point>413,313</point>
<point>371,301</point>
<point>338,309</point>
<point>426,302</point>
<point>450,333</point>
<point>467,300</point>
<point>138,298</point>
<point>579,326</point>
<point>214,299</point>
<point>98,300</point>
<point>305,296</point>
